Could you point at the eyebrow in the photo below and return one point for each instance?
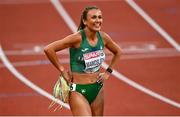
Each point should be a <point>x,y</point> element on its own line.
<point>97,15</point>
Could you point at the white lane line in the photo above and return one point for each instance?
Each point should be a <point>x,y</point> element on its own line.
<point>143,89</point>
<point>7,2</point>
<point>157,27</point>
<point>125,51</point>
<point>25,80</point>
<point>47,1</point>
<point>69,21</point>
<point>64,15</point>
<point>65,60</point>
<point>88,0</point>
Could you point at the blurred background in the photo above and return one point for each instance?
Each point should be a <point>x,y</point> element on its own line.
<point>147,78</point>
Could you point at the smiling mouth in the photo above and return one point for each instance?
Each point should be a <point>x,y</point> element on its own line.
<point>97,25</point>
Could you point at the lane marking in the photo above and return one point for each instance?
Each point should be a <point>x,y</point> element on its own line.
<point>25,80</point>
<point>62,12</point>
<point>150,21</point>
<point>46,1</point>
<point>39,90</point>
<point>65,60</point>
<point>131,50</point>
<point>64,15</point>
<point>89,0</point>
<point>7,2</point>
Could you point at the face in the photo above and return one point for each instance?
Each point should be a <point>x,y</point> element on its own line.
<point>94,20</point>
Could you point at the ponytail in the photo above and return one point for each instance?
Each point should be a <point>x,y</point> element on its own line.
<point>81,25</point>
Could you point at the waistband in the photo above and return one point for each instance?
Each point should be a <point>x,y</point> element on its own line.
<point>73,85</point>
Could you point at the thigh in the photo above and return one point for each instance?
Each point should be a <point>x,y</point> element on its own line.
<point>97,106</point>
<point>79,105</point>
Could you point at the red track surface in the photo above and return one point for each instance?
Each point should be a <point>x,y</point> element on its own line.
<point>26,25</point>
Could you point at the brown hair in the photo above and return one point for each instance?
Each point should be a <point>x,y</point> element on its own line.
<point>84,16</point>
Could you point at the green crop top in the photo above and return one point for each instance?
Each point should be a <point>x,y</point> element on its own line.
<point>87,58</point>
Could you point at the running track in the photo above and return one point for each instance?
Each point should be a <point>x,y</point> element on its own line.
<point>148,59</point>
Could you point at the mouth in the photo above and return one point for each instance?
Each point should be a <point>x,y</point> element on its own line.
<point>97,25</point>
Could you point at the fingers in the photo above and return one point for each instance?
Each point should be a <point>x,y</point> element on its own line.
<point>100,78</point>
<point>66,76</point>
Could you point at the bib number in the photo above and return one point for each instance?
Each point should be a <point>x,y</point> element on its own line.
<point>93,60</point>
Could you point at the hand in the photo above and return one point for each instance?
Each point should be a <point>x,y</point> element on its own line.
<point>67,76</point>
<point>102,77</point>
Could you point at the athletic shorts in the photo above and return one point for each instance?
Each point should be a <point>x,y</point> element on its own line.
<point>89,91</point>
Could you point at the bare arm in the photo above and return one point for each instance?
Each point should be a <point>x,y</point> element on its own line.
<point>115,49</point>
<point>51,49</point>
<point>112,47</point>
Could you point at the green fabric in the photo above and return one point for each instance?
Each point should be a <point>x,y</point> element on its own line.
<point>89,91</point>
<point>77,63</point>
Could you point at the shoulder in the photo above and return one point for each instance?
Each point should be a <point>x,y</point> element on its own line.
<point>74,39</point>
<point>106,38</point>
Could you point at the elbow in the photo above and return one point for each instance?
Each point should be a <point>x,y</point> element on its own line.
<point>47,49</point>
<point>119,52</point>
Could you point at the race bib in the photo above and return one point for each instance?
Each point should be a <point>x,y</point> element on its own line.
<point>93,60</point>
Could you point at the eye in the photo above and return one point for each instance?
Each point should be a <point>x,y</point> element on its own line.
<point>94,17</point>
<point>100,16</point>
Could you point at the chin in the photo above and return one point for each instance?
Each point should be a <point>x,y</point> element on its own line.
<point>93,29</point>
<point>96,29</point>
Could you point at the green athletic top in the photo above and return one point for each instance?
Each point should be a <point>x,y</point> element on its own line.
<point>87,58</point>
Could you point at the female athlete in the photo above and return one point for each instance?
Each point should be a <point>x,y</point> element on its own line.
<point>86,49</point>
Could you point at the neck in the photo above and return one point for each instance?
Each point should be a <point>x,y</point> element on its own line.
<point>90,34</point>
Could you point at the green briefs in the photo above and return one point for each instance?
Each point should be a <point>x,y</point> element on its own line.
<point>89,91</point>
